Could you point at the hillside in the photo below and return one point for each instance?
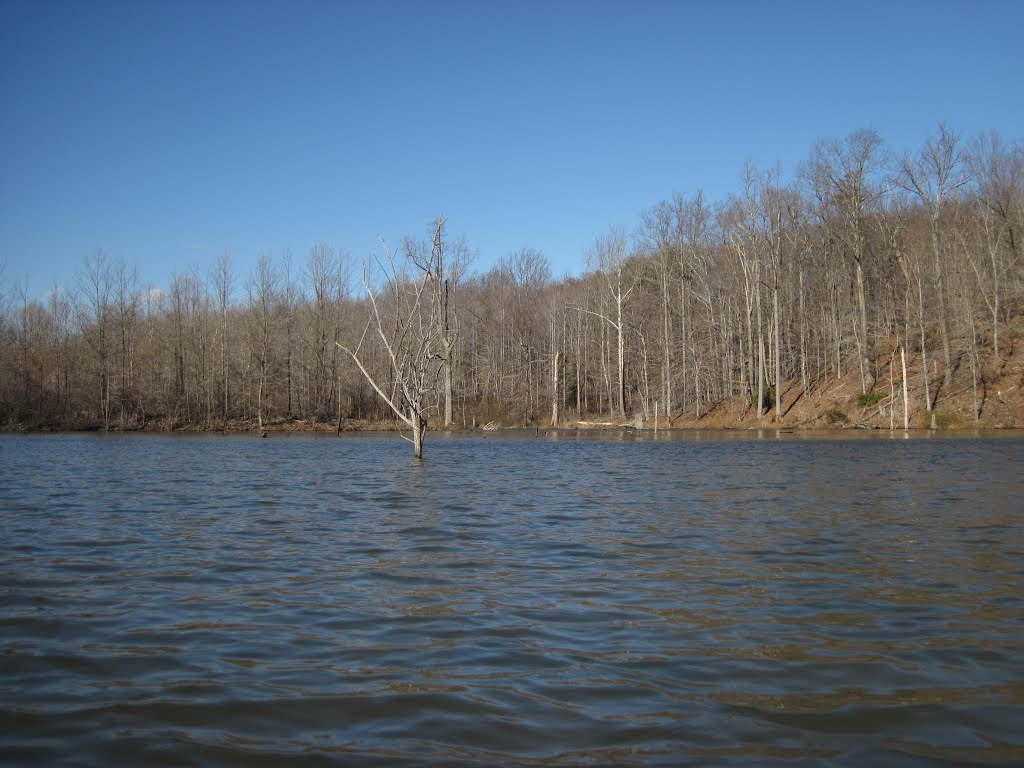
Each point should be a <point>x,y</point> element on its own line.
<point>833,404</point>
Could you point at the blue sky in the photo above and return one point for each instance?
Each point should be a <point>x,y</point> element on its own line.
<point>168,132</point>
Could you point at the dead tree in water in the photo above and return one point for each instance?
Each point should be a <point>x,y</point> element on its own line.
<point>407,315</point>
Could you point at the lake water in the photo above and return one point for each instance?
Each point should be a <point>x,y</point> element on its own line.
<point>559,600</point>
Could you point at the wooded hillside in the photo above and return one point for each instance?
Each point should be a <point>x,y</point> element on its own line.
<point>864,266</point>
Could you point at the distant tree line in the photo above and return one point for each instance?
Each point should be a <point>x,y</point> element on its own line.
<point>864,256</point>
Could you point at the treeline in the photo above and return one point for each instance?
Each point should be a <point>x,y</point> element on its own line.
<point>863,257</point>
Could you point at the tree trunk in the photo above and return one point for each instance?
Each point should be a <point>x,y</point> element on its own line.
<point>419,428</point>
<point>924,350</point>
<point>974,359</point>
<point>867,376</point>
<point>941,295</point>
<point>803,335</point>
<point>449,349</point>
<point>579,363</point>
<point>622,359</point>
<point>555,397</point>
<point>667,331</point>
<point>906,400</point>
<point>259,403</point>
<point>778,350</point>
<point>760,346</point>
<point>448,383</point>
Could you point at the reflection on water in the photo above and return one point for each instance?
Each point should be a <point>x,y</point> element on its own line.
<point>556,600</point>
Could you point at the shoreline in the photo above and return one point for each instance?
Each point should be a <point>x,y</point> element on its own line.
<point>385,428</point>
<point>829,410</point>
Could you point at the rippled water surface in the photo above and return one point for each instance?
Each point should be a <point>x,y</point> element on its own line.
<point>306,600</point>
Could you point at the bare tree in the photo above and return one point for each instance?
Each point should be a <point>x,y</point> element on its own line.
<point>527,273</point>
<point>843,178</point>
<point>935,175</point>
<point>222,280</point>
<point>744,221</point>
<point>288,297</point>
<point>180,319</point>
<point>442,297</point>
<point>412,337</point>
<point>999,172</point>
<point>262,288</point>
<point>96,286</point>
<point>60,310</point>
<point>126,307</point>
<point>776,208</point>
<point>659,232</point>
<point>608,257</point>
<point>326,278</point>
<point>452,260</point>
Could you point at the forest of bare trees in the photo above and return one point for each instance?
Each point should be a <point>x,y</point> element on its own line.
<point>864,259</point>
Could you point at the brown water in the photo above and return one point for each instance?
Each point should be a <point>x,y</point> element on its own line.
<point>553,601</point>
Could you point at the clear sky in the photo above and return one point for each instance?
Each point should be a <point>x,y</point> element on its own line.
<point>167,132</point>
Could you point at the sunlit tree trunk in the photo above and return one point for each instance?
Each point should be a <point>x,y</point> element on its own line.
<point>555,394</point>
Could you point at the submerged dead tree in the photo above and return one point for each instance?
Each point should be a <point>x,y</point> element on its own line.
<point>407,314</point>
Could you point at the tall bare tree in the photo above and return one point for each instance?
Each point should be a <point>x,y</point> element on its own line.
<point>96,286</point>
<point>844,178</point>
<point>126,308</point>
<point>325,278</point>
<point>999,173</point>
<point>406,314</point>
<point>935,175</point>
<point>223,283</point>
<point>609,258</point>
<point>262,289</point>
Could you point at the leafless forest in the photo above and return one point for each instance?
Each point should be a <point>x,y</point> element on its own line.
<point>902,273</point>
